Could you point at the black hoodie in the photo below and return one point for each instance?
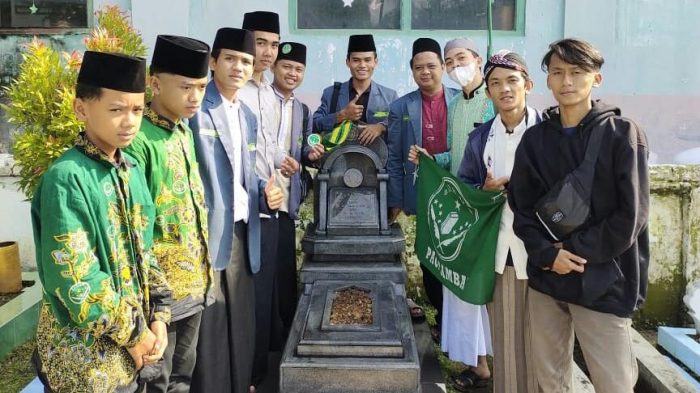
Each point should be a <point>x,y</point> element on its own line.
<point>614,240</point>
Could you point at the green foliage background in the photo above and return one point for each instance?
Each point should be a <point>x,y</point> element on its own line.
<point>41,97</point>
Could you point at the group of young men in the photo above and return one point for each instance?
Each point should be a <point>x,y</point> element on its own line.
<point>166,237</point>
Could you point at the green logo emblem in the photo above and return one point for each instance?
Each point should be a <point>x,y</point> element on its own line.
<point>314,139</point>
<point>286,48</point>
<point>79,292</point>
<point>450,218</point>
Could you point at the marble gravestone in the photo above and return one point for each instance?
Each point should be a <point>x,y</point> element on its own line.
<point>351,247</point>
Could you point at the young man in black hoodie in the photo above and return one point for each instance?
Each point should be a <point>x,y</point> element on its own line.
<point>593,280</point>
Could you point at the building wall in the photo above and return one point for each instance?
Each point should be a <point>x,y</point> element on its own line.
<point>651,48</point>
<point>15,215</point>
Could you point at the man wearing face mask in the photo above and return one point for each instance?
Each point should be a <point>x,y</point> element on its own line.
<point>472,107</point>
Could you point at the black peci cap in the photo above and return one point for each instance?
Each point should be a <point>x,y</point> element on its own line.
<point>113,71</point>
<point>262,21</point>
<point>235,39</point>
<point>426,45</point>
<point>361,43</point>
<point>293,51</point>
<point>181,56</point>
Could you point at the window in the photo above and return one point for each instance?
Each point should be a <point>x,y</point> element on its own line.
<point>419,14</point>
<point>23,14</point>
<point>461,15</point>
<point>349,14</point>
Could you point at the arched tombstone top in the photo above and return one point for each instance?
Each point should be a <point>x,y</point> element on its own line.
<point>352,148</point>
<point>350,198</point>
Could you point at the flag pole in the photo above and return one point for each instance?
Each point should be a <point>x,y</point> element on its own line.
<point>489,21</point>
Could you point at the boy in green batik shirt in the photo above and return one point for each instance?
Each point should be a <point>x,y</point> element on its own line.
<point>106,302</point>
<point>164,148</point>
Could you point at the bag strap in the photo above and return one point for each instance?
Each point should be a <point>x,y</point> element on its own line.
<point>305,118</point>
<point>593,147</point>
<point>587,167</point>
<point>334,97</point>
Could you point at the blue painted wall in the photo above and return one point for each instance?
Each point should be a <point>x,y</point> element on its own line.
<point>652,51</point>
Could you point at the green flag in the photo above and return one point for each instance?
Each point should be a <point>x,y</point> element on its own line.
<point>457,231</point>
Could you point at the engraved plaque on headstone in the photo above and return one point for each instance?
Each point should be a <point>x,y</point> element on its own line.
<point>353,207</point>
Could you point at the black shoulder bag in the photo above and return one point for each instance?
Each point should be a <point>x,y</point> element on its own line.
<point>567,205</point>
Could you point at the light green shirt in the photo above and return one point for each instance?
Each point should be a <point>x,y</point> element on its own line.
<point>462,113</point>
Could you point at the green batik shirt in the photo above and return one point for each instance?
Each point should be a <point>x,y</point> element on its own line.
<point>93,223</point>
<point>165,150</point>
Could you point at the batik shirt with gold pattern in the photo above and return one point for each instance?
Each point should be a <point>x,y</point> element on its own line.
<point>93,221</point>
<point>165,150</point>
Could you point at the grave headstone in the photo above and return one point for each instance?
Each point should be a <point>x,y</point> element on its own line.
<point>351,248</point>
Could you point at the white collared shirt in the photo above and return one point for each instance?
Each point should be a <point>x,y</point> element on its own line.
<point>240,195</point>
<point>499,157</point>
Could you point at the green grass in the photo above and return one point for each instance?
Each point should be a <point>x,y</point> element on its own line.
<point>16,370</point>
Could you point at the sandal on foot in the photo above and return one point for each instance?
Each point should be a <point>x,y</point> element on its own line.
<point>416,311</point>
<point>467,380</point>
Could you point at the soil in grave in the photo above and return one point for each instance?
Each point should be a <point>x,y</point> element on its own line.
<point>352,306</point>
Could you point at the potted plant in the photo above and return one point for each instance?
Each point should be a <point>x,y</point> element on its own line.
<point>10,269</point>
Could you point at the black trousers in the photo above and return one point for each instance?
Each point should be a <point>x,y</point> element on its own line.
<point>269,330</point>
<point>433,288</point>
<point>179,357</point>
<point>287,270</point>
<point>227,332</point>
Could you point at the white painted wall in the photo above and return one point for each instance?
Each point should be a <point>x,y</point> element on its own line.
<point>15,221</point>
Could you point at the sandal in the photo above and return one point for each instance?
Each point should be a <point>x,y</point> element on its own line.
<point>416,311</point>
<point>467,380</point>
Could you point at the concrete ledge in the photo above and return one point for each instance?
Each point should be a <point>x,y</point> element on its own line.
<point>19,317</point>
<point>688,377</point>
<point>35,386</point>
<point>655,373</point>
<point>679,343</point>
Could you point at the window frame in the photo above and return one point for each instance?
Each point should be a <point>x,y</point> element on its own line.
<point>405,22</point>
<point>22,31</point>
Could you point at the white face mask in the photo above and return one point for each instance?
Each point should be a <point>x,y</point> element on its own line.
<point>463,75</point>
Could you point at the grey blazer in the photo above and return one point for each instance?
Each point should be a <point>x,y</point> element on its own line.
<point>299,151</point>
<point>380,97</point>
<point>214,149</point>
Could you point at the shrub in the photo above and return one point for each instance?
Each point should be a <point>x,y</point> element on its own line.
<point>41,97</point>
